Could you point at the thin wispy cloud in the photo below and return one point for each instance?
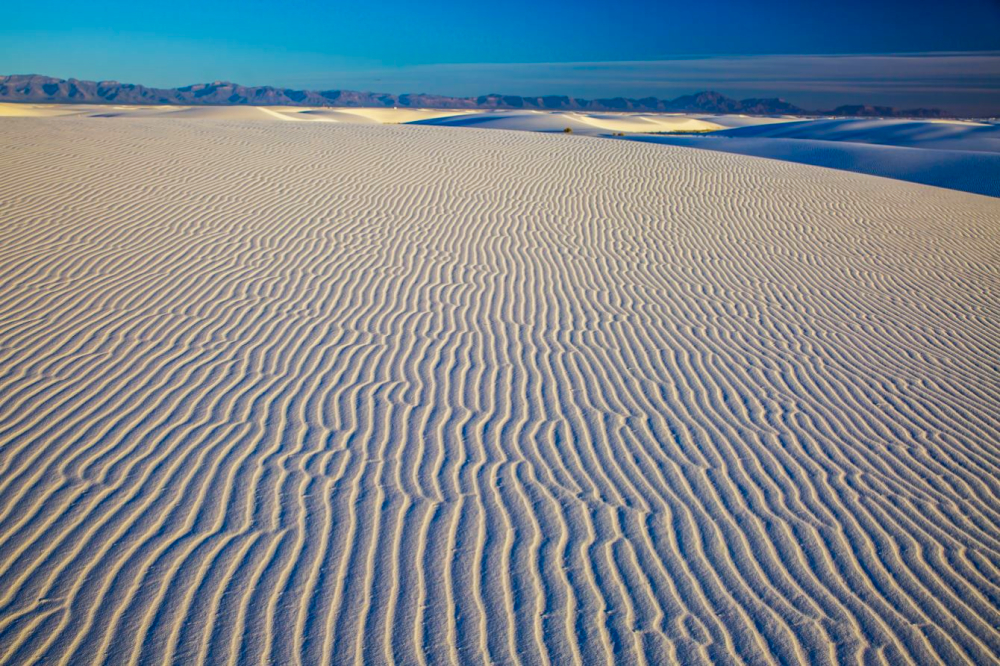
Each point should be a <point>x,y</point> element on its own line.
<point>960,82</point>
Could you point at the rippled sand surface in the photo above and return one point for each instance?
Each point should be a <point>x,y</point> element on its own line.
<point>275,392</point>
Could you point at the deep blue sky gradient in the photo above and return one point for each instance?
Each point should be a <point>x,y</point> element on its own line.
<point>319,43</point>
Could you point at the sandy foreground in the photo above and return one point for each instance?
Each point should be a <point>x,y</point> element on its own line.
<point>321,392</point>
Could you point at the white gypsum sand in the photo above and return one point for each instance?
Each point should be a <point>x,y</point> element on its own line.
<point>954,154</point>
<point>277,391</point>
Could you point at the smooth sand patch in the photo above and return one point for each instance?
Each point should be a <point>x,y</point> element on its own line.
<point>10,110</point>
<point>286,392</point>
<point>398,115</point>
<point>645,123</point>
<point>294,114</point>
<point>739,120</point>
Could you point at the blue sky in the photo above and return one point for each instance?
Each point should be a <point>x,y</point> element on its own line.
<point>586,48</point>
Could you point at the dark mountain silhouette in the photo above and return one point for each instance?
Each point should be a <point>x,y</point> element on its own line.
<point>46,89</point>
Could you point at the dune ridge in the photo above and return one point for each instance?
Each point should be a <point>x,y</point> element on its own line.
<point>330,393</point>
<point>929,134</point>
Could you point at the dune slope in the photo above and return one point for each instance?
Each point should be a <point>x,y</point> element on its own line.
<point>583,123</point>
<point>280,391</point>
<point>962,170</point>
<point>931,134</point>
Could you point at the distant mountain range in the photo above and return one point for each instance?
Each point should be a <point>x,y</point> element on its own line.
<point>46,89</point>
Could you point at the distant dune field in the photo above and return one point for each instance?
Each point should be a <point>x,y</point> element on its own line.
<point>330,392</point>
<point>954,154</point>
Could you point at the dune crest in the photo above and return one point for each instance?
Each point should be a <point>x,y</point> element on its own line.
<point>335,393</point>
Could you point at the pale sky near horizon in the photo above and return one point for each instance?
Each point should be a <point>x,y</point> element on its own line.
<point>586,48</point>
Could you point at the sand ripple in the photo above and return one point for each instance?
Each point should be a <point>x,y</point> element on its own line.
<point>331,393</point>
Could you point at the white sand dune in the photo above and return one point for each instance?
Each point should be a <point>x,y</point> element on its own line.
<point>339,115</point>
<point>523,121</point>
<point>584,123</point>
<point>402,115</point>
<point>954,154</point>
<point>152,111</point>
<point>963,170</point>
<point>739,120</point>
<point>9,110</point>
<point>645,122</point>
<point>298,391</point>
<point>535,121</point>
<point>228,113</point>
<point>373,116</point>
<point>297,115</point>
<point>965,157</point>
<point>939,135</point>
